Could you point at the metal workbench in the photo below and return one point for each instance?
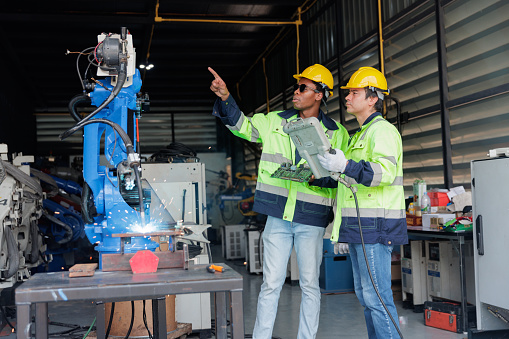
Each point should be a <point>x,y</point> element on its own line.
<point>460,237</point>
<point>43,288</point>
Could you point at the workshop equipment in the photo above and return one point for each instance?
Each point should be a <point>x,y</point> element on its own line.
<point>490,215</point>
<point>413,274</point>
<point>336,275</point>
<point>22,246</point>
<point>443,268</point>
<point>123,202</point>
<point>254,250</point>
<point>234,241</point>
<point>215,268</point>
<point>447,315</point>
<point>125,214</point>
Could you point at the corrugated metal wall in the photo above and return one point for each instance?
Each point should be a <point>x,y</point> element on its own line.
<point>477,74</point>
<point>478,63</point>
<point>195,130</point>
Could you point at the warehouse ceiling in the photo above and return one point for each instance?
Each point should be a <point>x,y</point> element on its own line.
<point>36,37</point>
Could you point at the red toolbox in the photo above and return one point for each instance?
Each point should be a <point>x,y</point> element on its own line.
<point>447,315</point>
<point>438,199</point>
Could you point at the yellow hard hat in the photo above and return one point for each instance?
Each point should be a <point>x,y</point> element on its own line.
<point>320,74</point>
<point>367,77</point>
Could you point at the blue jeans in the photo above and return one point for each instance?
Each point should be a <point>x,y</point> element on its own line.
<point>279,237</point>
<point>378,322</point>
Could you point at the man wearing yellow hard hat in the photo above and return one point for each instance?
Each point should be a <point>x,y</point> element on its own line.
<point>297,213</point>
<point>373,164</point>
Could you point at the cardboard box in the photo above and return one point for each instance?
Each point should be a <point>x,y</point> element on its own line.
<point>397,291</point>
<point>395,270</point>
<point>413,220</point>
<point>436,220</point>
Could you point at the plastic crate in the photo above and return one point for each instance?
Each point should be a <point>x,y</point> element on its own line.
<point>438,198</point>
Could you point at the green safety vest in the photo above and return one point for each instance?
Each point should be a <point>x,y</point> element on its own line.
<point>377,154</point>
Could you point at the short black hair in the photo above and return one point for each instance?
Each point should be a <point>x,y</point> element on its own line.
<point>321,88</point>
<point>371,93</point>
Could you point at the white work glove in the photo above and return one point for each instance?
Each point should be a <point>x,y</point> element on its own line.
<point>341,248</point>
<point>333,162</point>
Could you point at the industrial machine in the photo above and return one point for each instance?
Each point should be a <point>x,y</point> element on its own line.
<point>234,241</point>
<point>128,208</point>
<point>22,246</point>
<point>161,209</point>
<point>443,267</point>
<point>413,274</point>
<point>489,200</point>
<point>254,250</point>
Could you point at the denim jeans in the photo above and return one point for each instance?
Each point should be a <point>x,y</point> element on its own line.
<point>378,322</point>
<point>279,237</point>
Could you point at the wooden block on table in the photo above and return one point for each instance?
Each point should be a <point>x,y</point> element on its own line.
<point>82,270</point>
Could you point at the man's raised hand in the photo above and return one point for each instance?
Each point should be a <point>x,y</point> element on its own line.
<point>218,86</point>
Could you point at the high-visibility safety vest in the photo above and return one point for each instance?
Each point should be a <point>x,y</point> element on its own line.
<point>284,199</point>
<point>375,159</point>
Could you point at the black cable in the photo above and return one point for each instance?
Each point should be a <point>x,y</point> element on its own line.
<point>78,66</point>
<point>193,249</point>
<point>112,311</point>
<point>77,99</point>
<point>122,76</point>
<point>366,258</point>
<point>260,247</point>
<point>132,321</point>
<point>123,135</point>
<point>73,328</point>
<point>140,193</point>
<point>172,152</point>
<point>145,320</point>
<point>13,254</point>
<point>7,320</point>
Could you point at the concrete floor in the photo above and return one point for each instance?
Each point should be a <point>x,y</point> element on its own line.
<point>341,315</point>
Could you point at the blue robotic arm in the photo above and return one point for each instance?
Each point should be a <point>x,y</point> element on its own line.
<point>116,190</point>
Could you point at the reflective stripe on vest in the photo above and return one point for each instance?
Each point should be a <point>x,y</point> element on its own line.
<point>314,199</point>
<point>272,189</point>
<point>398,181</point>
<point>277,158</point>
<point>377,174</point>
<point>255,134</point>
<point>373,213</point>
<point>366,130</point>
<point>305,197</point>
<point>391,159</point>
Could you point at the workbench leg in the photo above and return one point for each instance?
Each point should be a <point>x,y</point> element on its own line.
<point>100,320</point>
<point>23,321</point>
<point>220,308</point>
<point>159,318</point>
<point>41,320</point>
<point>237,315</point>
<point>463,282</point>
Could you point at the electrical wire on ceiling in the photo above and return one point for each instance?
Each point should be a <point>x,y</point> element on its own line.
<point>270,47</point>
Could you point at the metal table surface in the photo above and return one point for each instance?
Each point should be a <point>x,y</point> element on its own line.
<point>460,237</point>
<point>43,288</point>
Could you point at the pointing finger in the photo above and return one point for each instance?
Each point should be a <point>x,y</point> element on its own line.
<point>214,73</point>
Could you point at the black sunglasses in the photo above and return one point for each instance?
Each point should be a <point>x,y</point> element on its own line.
<point>303,87</point>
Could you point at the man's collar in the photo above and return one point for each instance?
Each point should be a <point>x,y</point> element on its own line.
<point>324,119</point>
<point>371,117</point>
<point>368,120</point>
